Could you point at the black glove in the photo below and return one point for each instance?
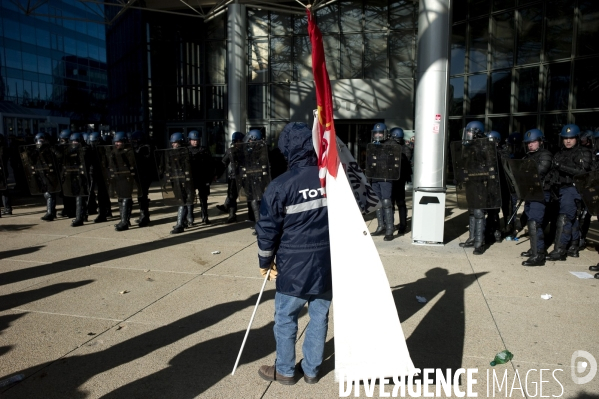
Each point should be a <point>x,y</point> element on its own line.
<point>557,164</point>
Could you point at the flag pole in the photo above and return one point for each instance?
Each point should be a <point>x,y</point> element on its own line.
<point>251,319</point>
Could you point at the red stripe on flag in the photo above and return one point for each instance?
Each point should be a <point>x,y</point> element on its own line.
<point>328,160</point>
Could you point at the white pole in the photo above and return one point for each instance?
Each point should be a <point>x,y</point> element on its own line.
<point>251,320</point>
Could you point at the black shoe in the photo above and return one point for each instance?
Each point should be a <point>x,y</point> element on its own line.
<point>48,217</point>
<point>7,211</point>
<point>401,230</point>
<point>479,251</point>
<point>594,268</point>
<point>379,231</point>
<point>77,223</point>
<point>145,222</point>
<point>388,238</point>
<point>206,221</point>
<point>557,254</point>
<point>596,275</point>
<point>254,233</point>
<point>467,244</point>
<point>497,235</point>
<point>178,229</point>
<point>100,219</point>
<point>538,260</point>
<point>573,251</point>
<point>526,254</point>
<point>121,226</point>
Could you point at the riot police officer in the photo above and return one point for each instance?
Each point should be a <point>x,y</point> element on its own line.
<point>398,192</point>
<point>571,160</point>
<point>4,155</point>
<point>535,210</point>
<point>143,160</point>
<point>68,208</point>
<point>476,226</point>
<point>230,205</point>
<point>99,201</point>
<point>125,204</point>
<point>178,141</point>
<point>254,135</point>
<point>77,144</point>
<point>42,142</point>
<point>493,224</point>
<point>383,189</point>
<point>203,174</point>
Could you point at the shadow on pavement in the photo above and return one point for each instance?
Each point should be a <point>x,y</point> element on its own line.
<point>21,251</point>
<point>190,372</point>
<point>17,299</point>
<point>438,340</point>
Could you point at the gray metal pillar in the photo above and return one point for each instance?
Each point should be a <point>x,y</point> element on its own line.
<point>236,67</point>
<point>434,38</point>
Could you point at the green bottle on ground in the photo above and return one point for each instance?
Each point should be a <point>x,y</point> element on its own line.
<point>502,357</point>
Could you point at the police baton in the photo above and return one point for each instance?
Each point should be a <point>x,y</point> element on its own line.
<point>251,319</point>
<point>515,212</point>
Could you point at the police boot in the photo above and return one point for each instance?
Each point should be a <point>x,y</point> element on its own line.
<point>180,226</point>
<point>101,215</point>
<point>388,214</point>
<point>256,209</point>
<point>574,247</point>
<point>144,212</point>
<point>594,268</point>
<point>190,218</point>
<point>79,212</point>
<point>126,207</point>
<point>7,210</point>
<point>224,208</point>
<point>232,215</point>
<point>204,205</point>
<point>380,218</point>
<point>92,204</point>
<point>559,252</point>
<point>479,232</point>
<point>470,241</point>
<point>537,258</point>
<point>50,208</point>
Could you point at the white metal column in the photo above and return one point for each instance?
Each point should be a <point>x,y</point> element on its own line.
<point>434,38</point>
<point>236,67</point>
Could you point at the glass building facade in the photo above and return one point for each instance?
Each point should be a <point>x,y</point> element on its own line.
<point>53,61</point>
<point>515,65</point>
<point>522,64</point>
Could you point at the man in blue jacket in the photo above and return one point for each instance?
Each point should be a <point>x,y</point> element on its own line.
<point>293,227</point>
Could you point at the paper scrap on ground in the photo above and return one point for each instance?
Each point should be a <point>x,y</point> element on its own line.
<point>546,296</point>
<point>215,252</point>
<point>421,299</point>
<point>582,274</point>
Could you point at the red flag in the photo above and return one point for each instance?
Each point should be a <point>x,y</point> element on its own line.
<point>324,138</point>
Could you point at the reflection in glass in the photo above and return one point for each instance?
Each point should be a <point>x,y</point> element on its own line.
<point>528,89</point>
<point>458,49</point>
<point>588,33</point>
<point>351,56</point>
<point>13,59</point>
<point>529,34</point>
<point>258,60</point>
<point>279,101</point>
<point>460,10</point>
<point>216,100</point>
<point>401,54</point>
<point>302,58</point>
<point>501,83</point>
<point>215,62</point>
<point>375,14</point>
<point>327,18</point>
<point>257,22</point>
<point>280,59</point>
<point>477,94</point>
<point>280,24</point>
<point>478,7</point>
<point>558,30</point>
<point>256,105</point>
<point>375,56</point>
<point>557,86</point>
<point>523,123</point>
<point>331,49</point>
<point>456,93</point>
<point>587,120</point>
<point>350,16</point>
<point>502,55</point>
<point>479,32</point>
<point>501,125</point>
<point>551,125</point>
<point>587,84</point>
<point>401,14</point>
<point>29,62</point>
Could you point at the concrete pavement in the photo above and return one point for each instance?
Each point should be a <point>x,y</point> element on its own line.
<point>89,312</point>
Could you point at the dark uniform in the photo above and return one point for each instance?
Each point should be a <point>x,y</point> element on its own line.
<point>99,200</point>
<point>143,160</point>
<point>398,191</point>
<point>383,188</point>
<point>535,210</point>
<point>4,155</point>
<point>203,172</point>
<point>230,205</point>
<point>567,163</point>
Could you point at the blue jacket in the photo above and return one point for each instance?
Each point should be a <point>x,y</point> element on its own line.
<point>293,223</point>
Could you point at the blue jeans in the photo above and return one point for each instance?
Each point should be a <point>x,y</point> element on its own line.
<point>287,309</point>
